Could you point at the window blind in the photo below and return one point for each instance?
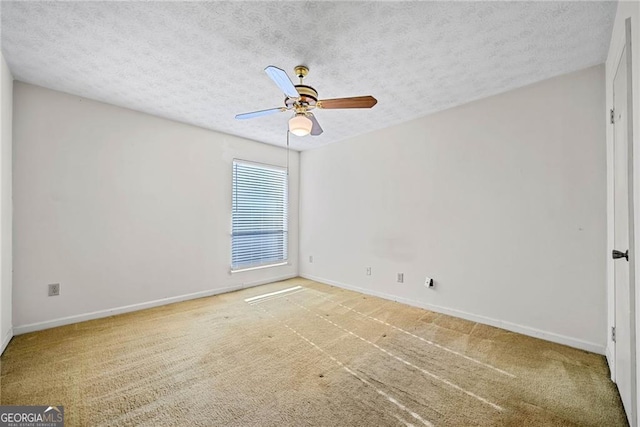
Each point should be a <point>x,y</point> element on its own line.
<point>259,215</point>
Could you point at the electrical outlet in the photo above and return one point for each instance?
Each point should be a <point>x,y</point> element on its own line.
<point>368,271</point>
<point>54,289</point>
<point>311,259</point>
<point>400,277</point>
<point>428,282</point>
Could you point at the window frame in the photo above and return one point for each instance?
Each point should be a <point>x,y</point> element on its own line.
<point>286,242</point>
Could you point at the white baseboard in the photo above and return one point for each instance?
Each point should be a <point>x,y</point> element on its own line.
<point>47,324</point>
<point>5,340</point>
<point>513,327</point>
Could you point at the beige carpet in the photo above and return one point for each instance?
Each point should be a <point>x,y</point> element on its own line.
<point>317,356</point>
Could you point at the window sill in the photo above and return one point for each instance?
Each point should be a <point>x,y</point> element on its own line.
<point>260,267</point>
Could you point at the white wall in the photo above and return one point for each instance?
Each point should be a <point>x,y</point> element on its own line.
<point>6,109</point>
<point>626,9</point>
<point>501,201</point>
<point>123,208</point>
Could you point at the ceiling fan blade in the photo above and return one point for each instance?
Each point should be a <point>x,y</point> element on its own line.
<point>259,113</point>
<point>316,129</point>
<point>353,102</point>
<point>283,81</point>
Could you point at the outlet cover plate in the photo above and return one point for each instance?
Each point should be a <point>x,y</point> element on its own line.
<point>54,289</point>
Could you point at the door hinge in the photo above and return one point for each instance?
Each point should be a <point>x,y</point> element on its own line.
<point>611,116</point>
<point>613,333</point>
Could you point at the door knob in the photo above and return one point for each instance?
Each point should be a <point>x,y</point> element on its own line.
<point>617,254</point>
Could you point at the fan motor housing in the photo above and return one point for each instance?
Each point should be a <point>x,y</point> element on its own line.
<point>308,97</point>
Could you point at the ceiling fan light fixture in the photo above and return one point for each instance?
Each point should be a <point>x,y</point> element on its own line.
<point>300,125</point>
<point>301,99</point>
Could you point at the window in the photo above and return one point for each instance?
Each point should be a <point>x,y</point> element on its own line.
<point>259,215</point>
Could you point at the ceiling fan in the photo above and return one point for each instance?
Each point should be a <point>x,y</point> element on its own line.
<point>302,99</point>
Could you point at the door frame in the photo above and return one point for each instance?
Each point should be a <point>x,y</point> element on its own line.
<point>618,48</point>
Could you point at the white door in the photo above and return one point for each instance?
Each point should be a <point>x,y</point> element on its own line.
<point>623,318</point>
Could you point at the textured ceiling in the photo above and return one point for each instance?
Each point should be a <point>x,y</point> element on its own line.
<point>202,62</point>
